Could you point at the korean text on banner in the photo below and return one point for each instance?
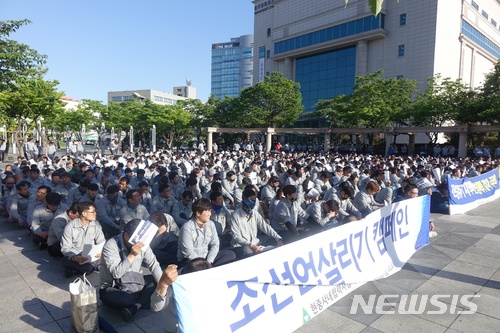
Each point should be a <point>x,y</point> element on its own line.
<point>280,290</point>
<point>468,193</point>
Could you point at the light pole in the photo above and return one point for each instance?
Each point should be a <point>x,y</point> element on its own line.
<point>153,138</point>
<point>67,139</point>
<point>131,139</point>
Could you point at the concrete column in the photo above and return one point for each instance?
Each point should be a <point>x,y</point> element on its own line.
<point>472,67</point>
<point>209,140</point>
<point>326,144</point>
<point>269,139</point>
<point>361,58</point>
<point>288,70</point>
<point>462,144</point>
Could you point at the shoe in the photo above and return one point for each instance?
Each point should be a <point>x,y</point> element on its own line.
<point>68,272</point>
<point>432,234</point>
<point>43,246</point>
<point>128,312</point>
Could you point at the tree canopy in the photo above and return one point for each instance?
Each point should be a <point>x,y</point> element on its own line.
<point>275,102</point>
<point>17,60</point>
<point>375,102</point>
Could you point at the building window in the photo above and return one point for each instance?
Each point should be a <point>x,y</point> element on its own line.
<point>268,32</point>
<point>268,54</point>
<point>475,5</point>
<point>485,14</point>
<point>494,23</point>
<point>127,98</point>
<point>346,29</point>
<point>476,36</point>
<point>399,77</point>
<point>401,50</point>
<point>325,75</point>
<point>402,20</point>
<point>116,98</point>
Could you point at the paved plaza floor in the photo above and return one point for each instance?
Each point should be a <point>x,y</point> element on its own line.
<point>464,259</point>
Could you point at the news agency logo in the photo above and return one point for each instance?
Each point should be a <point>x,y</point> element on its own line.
<point>414,304</point>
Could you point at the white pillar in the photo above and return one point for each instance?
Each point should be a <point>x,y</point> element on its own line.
<point>361,58</point>
<point>209,142</point>
<point>269,139</point>
<point>462,144</point>
<point>326,144</point>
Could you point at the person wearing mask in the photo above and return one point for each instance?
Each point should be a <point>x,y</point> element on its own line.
<point>347,211</point>
<point>288,215</point>
<point>246,224</point>
<point>221,217</point>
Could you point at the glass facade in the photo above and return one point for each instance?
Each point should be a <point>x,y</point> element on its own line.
<point>338,31</point>
<point>231,67</point>
<point>477,37</point>
<point>325,75</point>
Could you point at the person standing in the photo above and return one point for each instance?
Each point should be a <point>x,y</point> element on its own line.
<point>3,148</point>
<point>51,150</point>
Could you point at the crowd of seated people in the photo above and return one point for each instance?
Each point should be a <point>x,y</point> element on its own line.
<point>215,207</point>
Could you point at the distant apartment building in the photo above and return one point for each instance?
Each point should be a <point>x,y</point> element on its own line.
<point>70,103</point>
<point>232,66</point>
<point>324,45</point>
<point>156,96</point>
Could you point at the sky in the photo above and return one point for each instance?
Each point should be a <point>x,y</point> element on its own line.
<point>96,46</point>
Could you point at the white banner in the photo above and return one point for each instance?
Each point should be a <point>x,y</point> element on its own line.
<point>280,290</point>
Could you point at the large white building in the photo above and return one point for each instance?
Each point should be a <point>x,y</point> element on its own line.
<point>156,96</point>
<point>324,45</point>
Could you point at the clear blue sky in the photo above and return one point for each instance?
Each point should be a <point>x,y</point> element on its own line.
<point>96,46</point>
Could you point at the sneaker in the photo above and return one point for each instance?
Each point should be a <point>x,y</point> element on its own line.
<point>432,234</point>
<point>128,313</point>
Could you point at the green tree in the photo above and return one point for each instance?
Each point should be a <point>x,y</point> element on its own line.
<point>375,102</point>
<point>275,102</point>
<point>172,122</point>
<point>17,60</point>
<point>32,101</point>
<point>70,121</point>
<point>444,102</point>
<point>490,96</point>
